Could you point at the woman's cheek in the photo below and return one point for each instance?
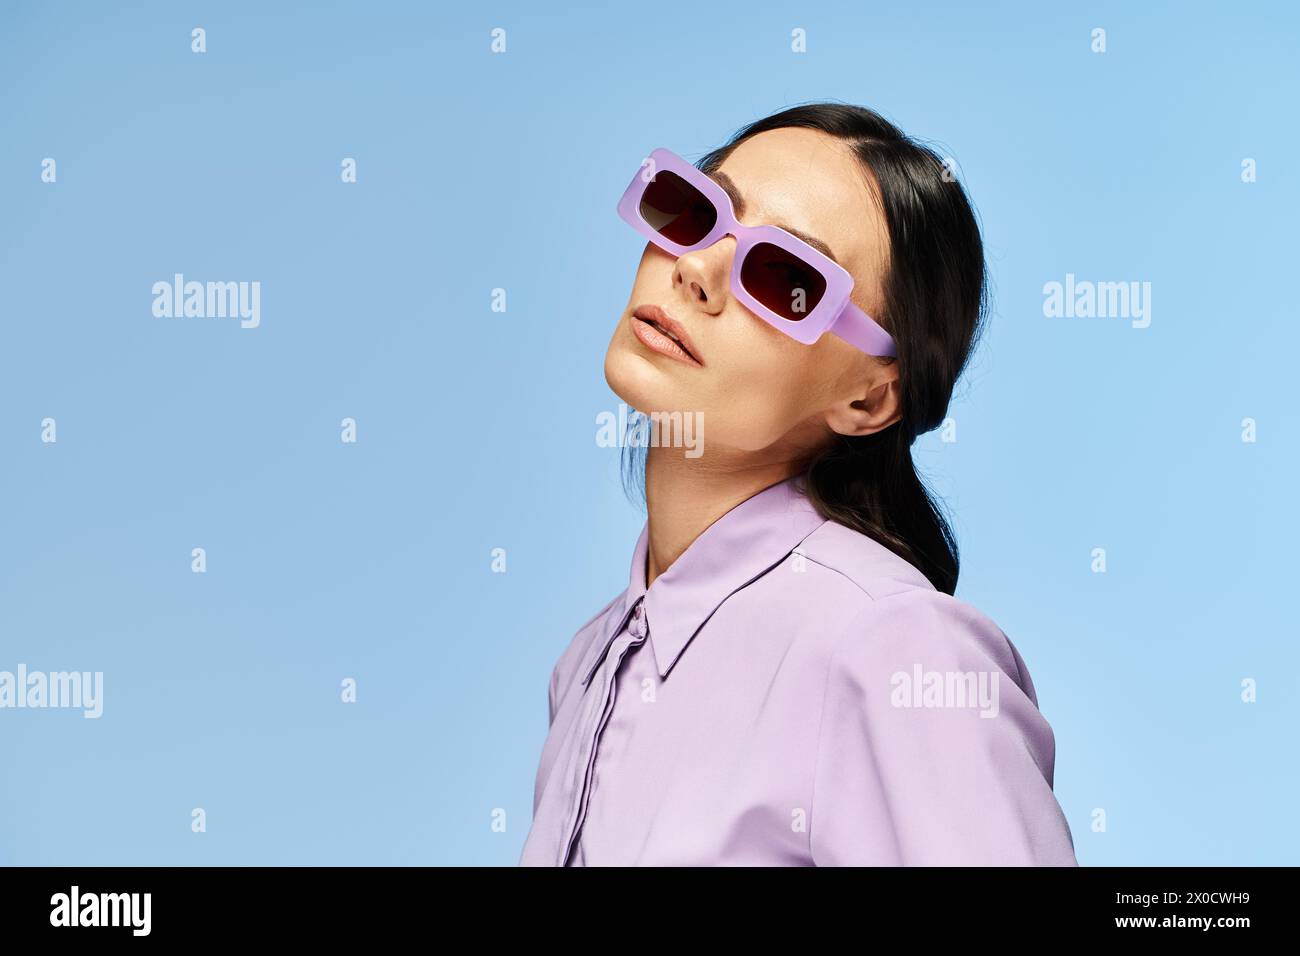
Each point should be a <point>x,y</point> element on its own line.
<point>741,418</point>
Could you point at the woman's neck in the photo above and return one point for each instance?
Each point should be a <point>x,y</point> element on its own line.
<point>684,496</point>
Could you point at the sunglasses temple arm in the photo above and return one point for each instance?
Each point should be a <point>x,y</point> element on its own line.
<point>857,328</point>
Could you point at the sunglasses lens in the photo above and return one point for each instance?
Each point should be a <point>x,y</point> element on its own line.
<point>782,281</point>
<point>677,210</point>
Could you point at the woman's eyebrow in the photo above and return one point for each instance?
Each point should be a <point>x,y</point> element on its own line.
<point>738,201</point>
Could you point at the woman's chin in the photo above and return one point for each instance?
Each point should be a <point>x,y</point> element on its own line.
<point>640,381</point>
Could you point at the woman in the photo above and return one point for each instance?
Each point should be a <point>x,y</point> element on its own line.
<point>788,678</point>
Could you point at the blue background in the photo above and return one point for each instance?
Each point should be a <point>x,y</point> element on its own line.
<point>476,429</point>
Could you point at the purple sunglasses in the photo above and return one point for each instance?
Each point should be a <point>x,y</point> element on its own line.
<point>779,277</point>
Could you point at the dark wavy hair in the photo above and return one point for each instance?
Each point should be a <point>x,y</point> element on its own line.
<point>936,304</point>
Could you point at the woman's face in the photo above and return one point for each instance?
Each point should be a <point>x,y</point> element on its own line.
<point>756,389</point>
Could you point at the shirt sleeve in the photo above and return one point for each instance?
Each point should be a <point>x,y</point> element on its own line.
<point>550,695</point>
<point>932,750</point>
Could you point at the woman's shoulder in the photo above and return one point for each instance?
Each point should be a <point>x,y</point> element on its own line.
<point>862,561</point>
<point>928,711</point>
<point>889,612</point>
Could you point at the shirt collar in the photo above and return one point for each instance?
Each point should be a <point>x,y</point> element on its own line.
<point>742,545</point>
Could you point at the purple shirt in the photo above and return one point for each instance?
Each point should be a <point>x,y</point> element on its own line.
<point>791,692</point>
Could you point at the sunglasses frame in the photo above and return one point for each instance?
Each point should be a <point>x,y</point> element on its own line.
<point>835,312</point>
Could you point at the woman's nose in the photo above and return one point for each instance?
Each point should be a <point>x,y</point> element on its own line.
<point>704,275</point>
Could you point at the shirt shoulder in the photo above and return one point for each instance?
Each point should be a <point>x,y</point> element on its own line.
<point>929,716</point>
<point>863,563</point>
<point>891,599</point>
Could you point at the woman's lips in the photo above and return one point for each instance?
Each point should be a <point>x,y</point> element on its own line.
<point>661,333</point>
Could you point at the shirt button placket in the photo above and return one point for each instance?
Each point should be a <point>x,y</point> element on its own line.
<point>637,626</point>
<point>596,712</point>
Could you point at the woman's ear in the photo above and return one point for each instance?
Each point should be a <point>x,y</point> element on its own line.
<point>879,408</point>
